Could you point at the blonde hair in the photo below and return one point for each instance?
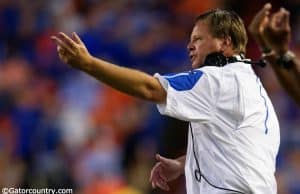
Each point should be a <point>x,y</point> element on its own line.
<point>223,23</point>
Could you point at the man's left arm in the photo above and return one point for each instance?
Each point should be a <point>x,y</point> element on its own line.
<point>133,82</point>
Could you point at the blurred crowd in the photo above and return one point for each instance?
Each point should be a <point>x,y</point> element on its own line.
<point>60,128</point>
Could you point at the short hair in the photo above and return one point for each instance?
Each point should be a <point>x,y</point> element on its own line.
<point>223,23</point>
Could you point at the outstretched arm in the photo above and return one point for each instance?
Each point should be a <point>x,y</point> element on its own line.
<point>72,51</point>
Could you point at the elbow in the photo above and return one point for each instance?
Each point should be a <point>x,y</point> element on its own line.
<point>151,90</point>
<point>153,94</point>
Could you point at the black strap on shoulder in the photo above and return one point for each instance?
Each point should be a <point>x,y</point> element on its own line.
<point>219,60</point>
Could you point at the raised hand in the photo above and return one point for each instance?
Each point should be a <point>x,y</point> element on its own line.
<point>164,171</point>
<point>278,31</point>
<point>259,24</point>
<point>271,32</point>
<point>72,50</point>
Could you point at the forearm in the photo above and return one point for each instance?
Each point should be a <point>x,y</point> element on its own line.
<point>129,81</point>
<point>288,78</point>
<point>296,69</point>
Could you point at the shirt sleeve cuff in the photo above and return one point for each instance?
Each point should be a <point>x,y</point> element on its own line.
<point>163,107</point>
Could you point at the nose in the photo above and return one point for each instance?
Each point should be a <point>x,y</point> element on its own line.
<point>190,46</point>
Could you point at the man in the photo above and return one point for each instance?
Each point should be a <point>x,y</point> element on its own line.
<point>233,132</point>
<point>273,35</point>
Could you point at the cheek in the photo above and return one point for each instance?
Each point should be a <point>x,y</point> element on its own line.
<point>210,47</point>
<point>203,50</point>
<point>215,45</point>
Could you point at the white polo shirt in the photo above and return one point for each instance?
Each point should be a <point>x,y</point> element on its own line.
<point>234,132</point>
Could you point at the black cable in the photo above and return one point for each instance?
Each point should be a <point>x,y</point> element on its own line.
<point>219,60</point>
<point>261,62</point>
<point>198,174</point>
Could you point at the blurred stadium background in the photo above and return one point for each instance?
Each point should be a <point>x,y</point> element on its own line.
<point>60,128</point>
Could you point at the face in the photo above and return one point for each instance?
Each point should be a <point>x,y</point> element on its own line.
<point>202,43</point>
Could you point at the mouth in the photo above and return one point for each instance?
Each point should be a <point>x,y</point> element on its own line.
<point>192,58</point>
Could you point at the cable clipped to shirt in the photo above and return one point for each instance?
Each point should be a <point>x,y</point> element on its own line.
<point>197,172</point>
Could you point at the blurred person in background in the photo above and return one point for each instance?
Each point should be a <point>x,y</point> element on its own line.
<point>219,96</point>
<point>272,32</point>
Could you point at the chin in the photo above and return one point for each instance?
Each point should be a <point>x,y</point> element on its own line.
<point>195,65</point>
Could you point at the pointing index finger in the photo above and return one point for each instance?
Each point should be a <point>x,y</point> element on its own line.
<point>260,19</point>
<point>68,39</point>
<point>264,11</point>
<point>76,38</point>
<point>62,44</point>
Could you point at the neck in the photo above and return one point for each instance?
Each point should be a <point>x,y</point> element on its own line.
<point>229,53</point>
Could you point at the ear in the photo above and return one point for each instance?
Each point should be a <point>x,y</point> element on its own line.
<point>226,44</point>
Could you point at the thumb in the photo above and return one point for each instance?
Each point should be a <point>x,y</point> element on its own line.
<point>162,159</point>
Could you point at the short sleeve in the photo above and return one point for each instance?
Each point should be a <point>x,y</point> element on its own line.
<point>188,96</point>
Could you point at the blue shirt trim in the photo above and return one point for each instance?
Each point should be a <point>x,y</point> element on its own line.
<point>267,110</point>
<point>184,81</point>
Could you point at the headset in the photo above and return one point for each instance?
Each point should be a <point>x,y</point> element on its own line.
<point>219,60</point>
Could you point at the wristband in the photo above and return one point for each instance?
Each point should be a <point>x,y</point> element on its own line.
<point>266,50</point>
<point>286,60</point>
